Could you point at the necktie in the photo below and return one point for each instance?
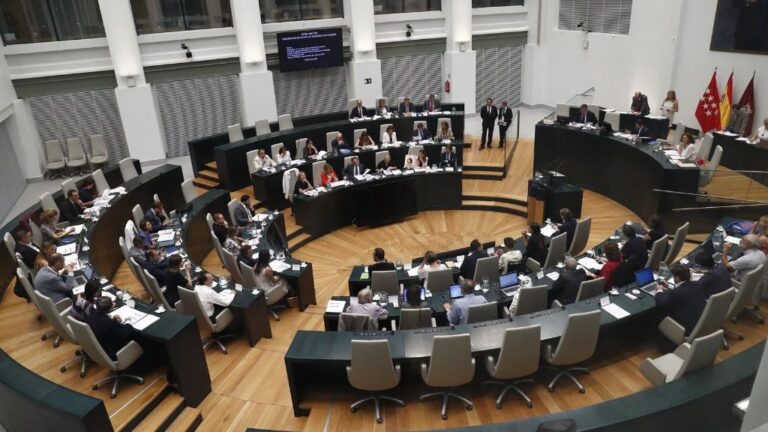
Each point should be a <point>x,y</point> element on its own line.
<point>431,105</point>
<point>360,111</point>
<point>356,173</point>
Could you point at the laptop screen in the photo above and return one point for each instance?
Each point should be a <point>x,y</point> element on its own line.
<point>456,291</point>
<point>644,277</point>
<point>88,271</point>
<point>509,279</point>
<point>422,294</point>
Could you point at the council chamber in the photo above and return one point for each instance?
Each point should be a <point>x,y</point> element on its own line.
<point>333,215</point>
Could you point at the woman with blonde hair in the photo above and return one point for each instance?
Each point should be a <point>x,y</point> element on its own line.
<point>48,221</point>
<point>761,226</point>
<point>670,106</point>
<point>445,132</point>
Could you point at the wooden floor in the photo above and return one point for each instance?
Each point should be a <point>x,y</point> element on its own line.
<point>250,386</point>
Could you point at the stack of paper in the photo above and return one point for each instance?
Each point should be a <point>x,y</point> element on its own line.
<point>166,236</point>
<point>553,275</point>
<point>616,311</point>
<point>413,272</point>
<point>335,306</point>
<point>67,249</point>
<point>732,239</point>
<point>548,230</point>
<point>590,263</point>
<point>77,229</point>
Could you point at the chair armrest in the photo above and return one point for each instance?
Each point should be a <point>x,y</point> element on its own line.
<point>652,373</point>
<point>672,330</point>
<point>683,351</point>
<point>424,371</point>
<point>128,355</point>
<point>223,319</point>
<point>556,304</point>
<point>393,325</point>
<point>64,304</point>
<point>434,323</point>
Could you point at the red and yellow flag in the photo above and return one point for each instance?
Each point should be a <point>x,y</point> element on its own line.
<point>725,103</point>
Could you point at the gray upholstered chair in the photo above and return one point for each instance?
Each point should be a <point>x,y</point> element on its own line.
<point>285,122</point>
<point>591,288</point>
<point>22,274</point>
<point>10,243</point>
<point>156,292</point>
<point>677,243</point>
<point>188,190</point>
<point>209,221</point>
<point>532,266</point>
<point>317,169</point>
<point>580,236</point>
<point>487,267</point>
<point>100,180</point>
<point>688,357</point>
<point>275,150</point>
<point>272,297</point>
<point>230,262</point>
<point>556,252</point>
<point>127,169</point>
<point>47,202</point>
<point>37,233</point>
<point>383,128</point>
<point>577,344</point>
<point>126,356</point>
<point>232,205</point>
<point>385,280</point>
<point>77,162</point>
<point>68,185</point>
<point>138,272</point>
<point>219,250</point>
<point>58,320</point>
<point>411,318</point>
<point>262,127</point>
<point>380,155</point>
<point>129,232</point>
<point>482,312</point>
<point>518,358</point>
<point>531,299</point>
<point>301,144</point>
<point>420,122</point>
<point>439,280</point>
<point>348,160</point>
<point>356,322</point>
<point>192,306</point>
<point>657,252</point>
<point>444,119</point>
<point>750,283</point>
<point>56,162</point>
<point>707,174</point>
<point>415,149</point>
<point>372,370</point>
<point>329,137</point>
<point>249,157</point>
<point>99,152</point>
<point>678,135</point>
<point>714,314</point>
<point>451,365</point>
<point>356,134</point>
<point>138,215</point>
<point>705,147</point>
<point>235,133</point>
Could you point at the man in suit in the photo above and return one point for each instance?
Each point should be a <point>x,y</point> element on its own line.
<point>585,115</point>
<point>156,265</point>
<point>683,304</point>
<point>431,104</point>
<point>406,107</point>
<point>739,118</point>
<point>220,226</point>
<point>447,157</point>
<point>640,129</point>
<point>262,161</point>
<point>340,145</point>
<point>137,250</point>
<point>566,287</point>
<point>640,104</point>
<point>355,168</point>
<point>567,226</point>
<point>24,247</point>
<point>111,333</point>
<point>358,111</point>
<point>634,249</point>
<point>467,269</point>
<point>155,217</point>
<point>715,278</point>
<point>488,113</point>
<point>421,133</point>
<point>244,212</point>
<point>380,262</point>
<point>505,119</point>
<point>72,207</point>
<point>51,284</point>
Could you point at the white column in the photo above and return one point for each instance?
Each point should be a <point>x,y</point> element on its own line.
<point>256,83</point>
<point>459,66</point>
<point>364,70</point>
<point>138,111</point>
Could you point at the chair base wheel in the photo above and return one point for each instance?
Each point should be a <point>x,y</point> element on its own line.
<point>551,389</point>
<point>43,337</point>
<point>469,407</point>
<point>82,374</point>
<point>498,406</point>
<point>353,410</point>
<point>444,416</point>
<point>530,405</point>
<point>379,420</point>
<point>94,388</point>
<point>62,370</point>
<point>582,391</point>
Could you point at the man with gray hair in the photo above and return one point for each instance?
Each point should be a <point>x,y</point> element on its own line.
<point>566,287</point>
<point>752,257</point>
<point>459,310</point>
<point>365,305</point>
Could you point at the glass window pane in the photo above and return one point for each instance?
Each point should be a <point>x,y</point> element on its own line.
<point>76,19</point>
<point>321,9</point>
<point>25,22</point>
<point>402,6</point>
<point>280,10</point>
<point>157,16</point>
<point>495,3</point>
<point>202,14</point>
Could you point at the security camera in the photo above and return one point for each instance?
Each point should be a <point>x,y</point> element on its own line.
<point>408,30</point>
<point>188,52</point>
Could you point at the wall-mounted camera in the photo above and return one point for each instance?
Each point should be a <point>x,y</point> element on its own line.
<point>408,30</point>
<point>188,52</point>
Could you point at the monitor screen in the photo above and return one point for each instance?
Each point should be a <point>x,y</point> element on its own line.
<point>422,294</point>
<point>644,277</point>
<point>507,280</point>
<point>456,291</point>
<point>313,49</point>
<point>88,271</point>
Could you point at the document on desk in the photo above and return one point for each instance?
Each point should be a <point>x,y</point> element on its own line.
<point>553,275</point>
<point>77,229</point>
<point>72,259</point>
<point>67,249</point>
<point>335,306</point>
<point>732,239</point>
<point>616,311</point>
<point>548,230</point>
<point>128,314</point>
<point>682,164</point>
<point>279,266</point>
<point>145,322</point>
<point>166,236</point>
<point>590,263</point>
<point>413,272</point>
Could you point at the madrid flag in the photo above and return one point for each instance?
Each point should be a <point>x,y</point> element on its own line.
<point>748,100</point>
<point>708,110</point>
<point>725,103</point>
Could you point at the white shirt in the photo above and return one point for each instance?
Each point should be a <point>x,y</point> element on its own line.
<point>285,157</point>
<point>688,152</point>
<point>386,139</point>
<point>762,133</point>
<point>260,163</point>
<point>209,297</point>
<point>667,109</point>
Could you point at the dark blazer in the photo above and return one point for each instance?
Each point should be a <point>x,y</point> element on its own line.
<point>246,260</point>
<point>640,104</point>
<point>85,195</point>
<point>447,159</point>
<point>348,171</point>
<point>642,131</point>
<point>381,266</point>
<point>635,252</point>
<point>436,106</point>
<point>384,165</point>
<point>300,184</point>
<point>505,115</point>
<point>537,248</point>
<point>467,269</point>
<point>591,118</point>
<point>344,146</point>
<point>243,215</point>
<point>157,270</point>
<point>357,112</point>
<point>111,334</point>
<point>489,116</point>
<point>28,254</point>
<point>684,304</point>
<point>566,287</point>
<point>153,219</point>
<point>173,280</point>
<point>715,281</point>
<point>423,134</point>
<point>569,228</point>
<point>220,232</point>
<point>403,106</point>
<point>70,211</point>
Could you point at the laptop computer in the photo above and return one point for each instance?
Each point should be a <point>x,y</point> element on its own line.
<point>81,280</point>
<point>456,292</point>
<point>508,280</point>
<point>646,281</point>
<point>422,294</point>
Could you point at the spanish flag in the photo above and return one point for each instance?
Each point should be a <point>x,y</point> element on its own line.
<point>725,103</point>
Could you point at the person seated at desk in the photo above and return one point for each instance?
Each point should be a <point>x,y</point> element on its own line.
<point>245,255</point>
<point>232,242</point>
<point>283,156</point>
<point>302,184</point>
<point>87,191</point>
<point>444,132</point>
<point>220,226</point>
<point>467,270</point>
<point>49,220</point>
<point>584,116</point>
<point>458,311</point>
<point>421,161</point>
<point>389,136</point>
<point>84,303</point>
<point>760,227</point>
<point>687,148</point>
<point>72,208</point>
<point>413,298</point>
<point>309,149</point>
<point>448,157</point>
<point>432,104</point>
<point>752,257</point>
<point>24,248</point>
<point>157,217</point>
<point>634,249</point>
<point>410,161</point>
<point>111,333</point>
<point>156,264</point>
<point>358,111</point>
<point>684,304</point>
<point>46,252</point>
<point>535,243</point>
<point>386,164</point>
<point>715,278</point>
<point>365,142</point>
<point>55,280</point>
<point>355,168</point>
<point>421,133</point>
<point>566,287</point>
<point>739,118</point>
<point>640,130</point>
<point>262,161</point>
<point>509,257</point>
<point>615,272</point>
<point>266,279</point>
<point>567,226</point>
<point>145,233</point>
<point>761,136</point>
<point>328,175</point>
<point>428,264</point>
<point>640,104</point>
<point>656,231</point>
<point>381,108</point>
<point>380,262</point>
<point>244,212</point>
<point>365,305</point>
<point>406,107</point>
<point>176,276</point>
<point>213,302</point>
<point>339,145</point>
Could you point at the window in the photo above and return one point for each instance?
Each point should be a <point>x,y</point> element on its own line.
<point>601,16</point>
<point>29,21</point>
<point>159,16</point>
<point>403,6</point>
<point>495,3</point>
<point>299,10</point>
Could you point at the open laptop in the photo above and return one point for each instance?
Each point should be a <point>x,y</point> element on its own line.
<point>646,281</point>
<point>422,294</point>
<point>509,283</point>
<point>81,280</point>
<point>455,291</point>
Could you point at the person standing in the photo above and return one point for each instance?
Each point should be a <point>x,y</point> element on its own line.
<point>669,107</point>
<point>488,114</point>
<point>640,104</point>
<point>505,119</point>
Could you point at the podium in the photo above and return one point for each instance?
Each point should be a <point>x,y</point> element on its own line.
<point>547,194</point>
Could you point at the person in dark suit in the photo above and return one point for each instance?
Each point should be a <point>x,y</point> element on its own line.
<point>634,249</point>
<point>353,169</point>
<point>683,304</point>
<point>640,104</point>
<point>406,107</point>
<point>386,164</point>
<point>448,157</point>
<point>244,212</point>
<point>535,243</point>
<point>156,265</point>
<point>111,333</point>
<point>585,115</point>
<point>432,104</point>
<point>246,255</point>
<point>24,247</point>
<point>72,207</point>
<point>715,278</point>
<point>505,119</point>
<point>566,287</point>
<point>358,111</point>
<point>467,269</point>
<point>155,216</point>
<point>340,145</point>
<point>380,262</point>
<point>87,191</point>
<point>640,129</point>
<point>220,226</point>
<point>488,113</point>
<point>421,133</point>
<point>176,276</point>
<point>567,226</point>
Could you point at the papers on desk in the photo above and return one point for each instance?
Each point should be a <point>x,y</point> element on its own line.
<point>425,141</point>
<point>590,263</point>
<point>145,322</point>
<point>260,217</point>
<point>732,239</point>
<point>77,229</point>
<point>139,320</point>
<point>726,133</point>
<point>364,275</point>
<point>335,306</point>
<point>339,183</point>
<point>413,272</point>
<point>616,311</point>
<point>746,140</point>
<point>72,259</point>
<point>279,266</point>
<point>682,164</point>
<point>166,236</point>
<point>118,190</point>
<point>548,230</point>
<point>66,249</point>
<point>553,275</point>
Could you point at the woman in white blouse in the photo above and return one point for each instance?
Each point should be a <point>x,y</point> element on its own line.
<point>430,264</point>
<point>389,136</point>
<point>761,136</point>
<point>283,155</point>
<point>687,147</point>
<point>669,107</point>
<point>444,132</point>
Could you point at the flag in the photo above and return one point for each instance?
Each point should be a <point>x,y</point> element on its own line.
<point>725,103</point>
<point>748,99</point>
<point>708,109</point>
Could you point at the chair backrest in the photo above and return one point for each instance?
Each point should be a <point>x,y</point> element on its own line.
<point>218,248</point>
<point>10,243</point>
<point>419,122</point>
<point>129,232</point>
<point>348,160</point>
<point>657,252</point>
<point>487,267</point>
<point>317,169</point>
<point>706,175</point>
<point>138,215</point>
<point>100,180</point>
<point>357,134</point>
<point>68,185</point>
<point>235,132</point>
<point>383,128</point>
<point>88,343</point>
<point>678,135</point>
<point>677,243</point>
<point>613,118</point>
<point>440,123</point>
<point>37,233</point>
<point>749,283</point>
<point>702,353</point>
<point>230,262</point>
<point>54,317</point>
<point>285,122</point>
<point>414,149</point>
<point>188,190</point>
<point>705,147</point>
<point>22,275</point>
<point>275,150</point>
<point>380,155</point>
<point>301,144</point>
<point>563,110</point>
<point>98,146</point>
<point>209,221</point>
<point>451,363</point>
<point>385,280</point>
<point>482,312</point>
<point>249,157</point>
<point>290,177</point>
<point>532,265</point>
<point>579,338</point>
<point>371,366</point>
<point>439,280</point>
<point>519,355</point>
<point>127,169</point>
<point>351,103</point>
<point>53,151</point>
<point>75,150</point>
<point>47,202</point>
<point>138,272</point>
<point>591,288</point>
<point>411,318</point>
<point>123,247</point>
<point>580,236</point>
<point>249,276</point>
<point>192,305</point>
<point>231,206</point>
<point>329,137</point>
<point>156,292</point>
<point>556,252</point>
<point>531,299</point>
<point>715,312</point>
<point>355,322</point>
<point>262,127</point>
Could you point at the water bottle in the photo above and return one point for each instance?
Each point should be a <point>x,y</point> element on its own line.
<point>717,238</point>
<point>663,271</point>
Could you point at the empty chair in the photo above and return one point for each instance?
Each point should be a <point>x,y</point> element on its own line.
<point>191,304</point>
<point>235,133</point>
<point>518,358</point>
<point>677,243</point>
<point>99,153</point>
<point>591,288</point>
<point>705,147</point>
<point>209,221</point>
<point>230,262</point>
<point>482,312</point>
<point>678,135</point>
<point>47,202</point>
<point>439,280</point>
<point>127,169</point>
<point>531,299</point>
<point>126,356</point>
<point>556,252</point>
<point>37,234</point>
<point>317,169</point>
<point>532,266</point>
<point>580,236</point>
<point>356,322</point>
<point>575,346</point>
<point>688,357</point>
<point>285,122</point>
<point>57,319</point>
<point>68,185</point>
<point>217,247</point>
<point>138,215</point>
<point>450,365</point>
<point>385,280</point>
<point>275,150</point>
<point>156,292</point>
<point>100,180</point>
<point>329,137</point>
<point>744,295</point>
<point>371,369</point>
<point>415,149</point>
<point>487,267</point>
<point>657,252</point>
<point>380,155</point>
<point>56,163</point>
<point>249,157</point>
<point>713,316</point>
<point>613,118</point>
<point>416,318</point>
<point>10,243</point>
<point>76,160</point>
<point>301,144</point>
<point>188,189</point>
<point>262,127</point>
<point>707,174</point>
